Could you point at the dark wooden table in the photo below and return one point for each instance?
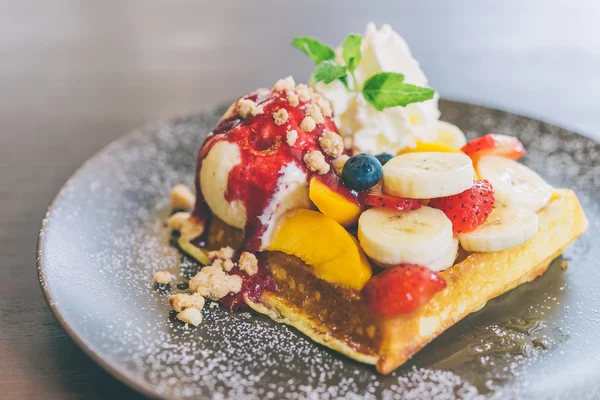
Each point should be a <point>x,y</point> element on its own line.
<point>74,75</point>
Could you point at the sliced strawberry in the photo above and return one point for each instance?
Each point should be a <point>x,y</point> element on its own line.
<point>376,198</point>
<point>469,209</point>
<point>498,145</point>
<point>402,289</point>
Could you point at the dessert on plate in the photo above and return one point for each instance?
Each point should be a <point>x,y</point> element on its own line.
<point>346,209</point>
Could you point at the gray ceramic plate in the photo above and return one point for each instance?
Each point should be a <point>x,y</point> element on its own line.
<point>104,236</point>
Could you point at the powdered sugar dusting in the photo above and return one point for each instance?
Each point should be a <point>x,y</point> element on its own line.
<point>106,236</point>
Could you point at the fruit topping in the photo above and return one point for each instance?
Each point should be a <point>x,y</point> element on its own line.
<point>492,144</point>
<point>402,289</point>
<point>376,198</point>
<point>384,157</point>
<point>393,237</point>
<point>334,200</point>
<point>258,161</point>
<point>450,135</point>
<point>515,185</point>
<point>361,172</point>
<point>429,147</point>
<point>427,175</point>
<point>325,245</point>
<point>469,209</point>
<point>504,228</point>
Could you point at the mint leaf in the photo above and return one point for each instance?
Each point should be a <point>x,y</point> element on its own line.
<point>351,51</point>
<point>328,71</point>
<point>313,48</point>
<point>387,89</point>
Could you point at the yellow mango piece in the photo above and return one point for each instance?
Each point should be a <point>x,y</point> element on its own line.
<point>332,204</point>
<point>422,147</point>
<point>322,243</point>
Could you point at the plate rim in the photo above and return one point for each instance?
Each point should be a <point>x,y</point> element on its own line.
<point>116,370</point>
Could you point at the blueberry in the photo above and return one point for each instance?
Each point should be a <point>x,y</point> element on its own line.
<point>384,157</point>
<point>361,172</point>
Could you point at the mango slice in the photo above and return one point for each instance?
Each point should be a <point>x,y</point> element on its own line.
<point>324,244</point>
<point>429,147</point>
<point>334,205</point>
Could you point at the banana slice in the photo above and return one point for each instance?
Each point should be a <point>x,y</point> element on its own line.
<point>515,185</point>
<point>427,175</point>
<point>450,135</point>
<point>504,228</point>
<point>393,237</point>
<point>447,260</point>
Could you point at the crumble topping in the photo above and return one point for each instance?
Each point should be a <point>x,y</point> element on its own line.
<point>182,301</point>
<point>292,98</point>
<point>303,92</point>
<point>163,277</point>
<point>308,124</point>
<point>291,137</point>
<point>314,111</point>
<point>248,263</point>
<point>280,116</point>
<point>338,164</point>
<point>214,283</point>
<point>224,253</point>
<point>246,107</point>
<point>284,84</point>
<point>177,220</point>
<point>324,104</point>
<point>315,161</point>
<point>331,143</point>
<point>182,198</point>
<point>191,316</point>
<point>227,265</point>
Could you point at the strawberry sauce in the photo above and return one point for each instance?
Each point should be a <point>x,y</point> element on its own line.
<point>264,151</point>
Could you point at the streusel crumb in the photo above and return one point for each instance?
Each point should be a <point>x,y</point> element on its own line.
<point>292,98</point>
<point>182,198</point>
<point>227,265</point>
<point>314,111</point>
<point>284,84</point>
<point>291,137</point>
<point>248,263</point>
<point>331,143</point>
<point>280,116</point>
<point>182,301</point>
<point>303,93</point>
<point>315,161</point>
<point>191,316</point>
<point>324,104</point>
<point>177,220</point>
<point>308,124</point>
<point>246,107</point>
<point>224,253</point>
<point>163,277</point>
<point>338,164</point>
<point>214,283</point>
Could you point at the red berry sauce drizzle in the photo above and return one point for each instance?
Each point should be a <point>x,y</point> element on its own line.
<point>264,151</point>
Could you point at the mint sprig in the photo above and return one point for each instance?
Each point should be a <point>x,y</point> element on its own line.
<point>382,90</point>
<point>316,50</point>
<point>351,51</point>
<point>387,89</point>
<point>328,71</point>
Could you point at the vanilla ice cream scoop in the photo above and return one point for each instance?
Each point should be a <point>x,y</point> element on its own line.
<point>252,168</point>
<point>388,131</point>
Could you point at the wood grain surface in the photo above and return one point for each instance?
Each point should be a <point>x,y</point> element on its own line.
<point>74,75</point>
